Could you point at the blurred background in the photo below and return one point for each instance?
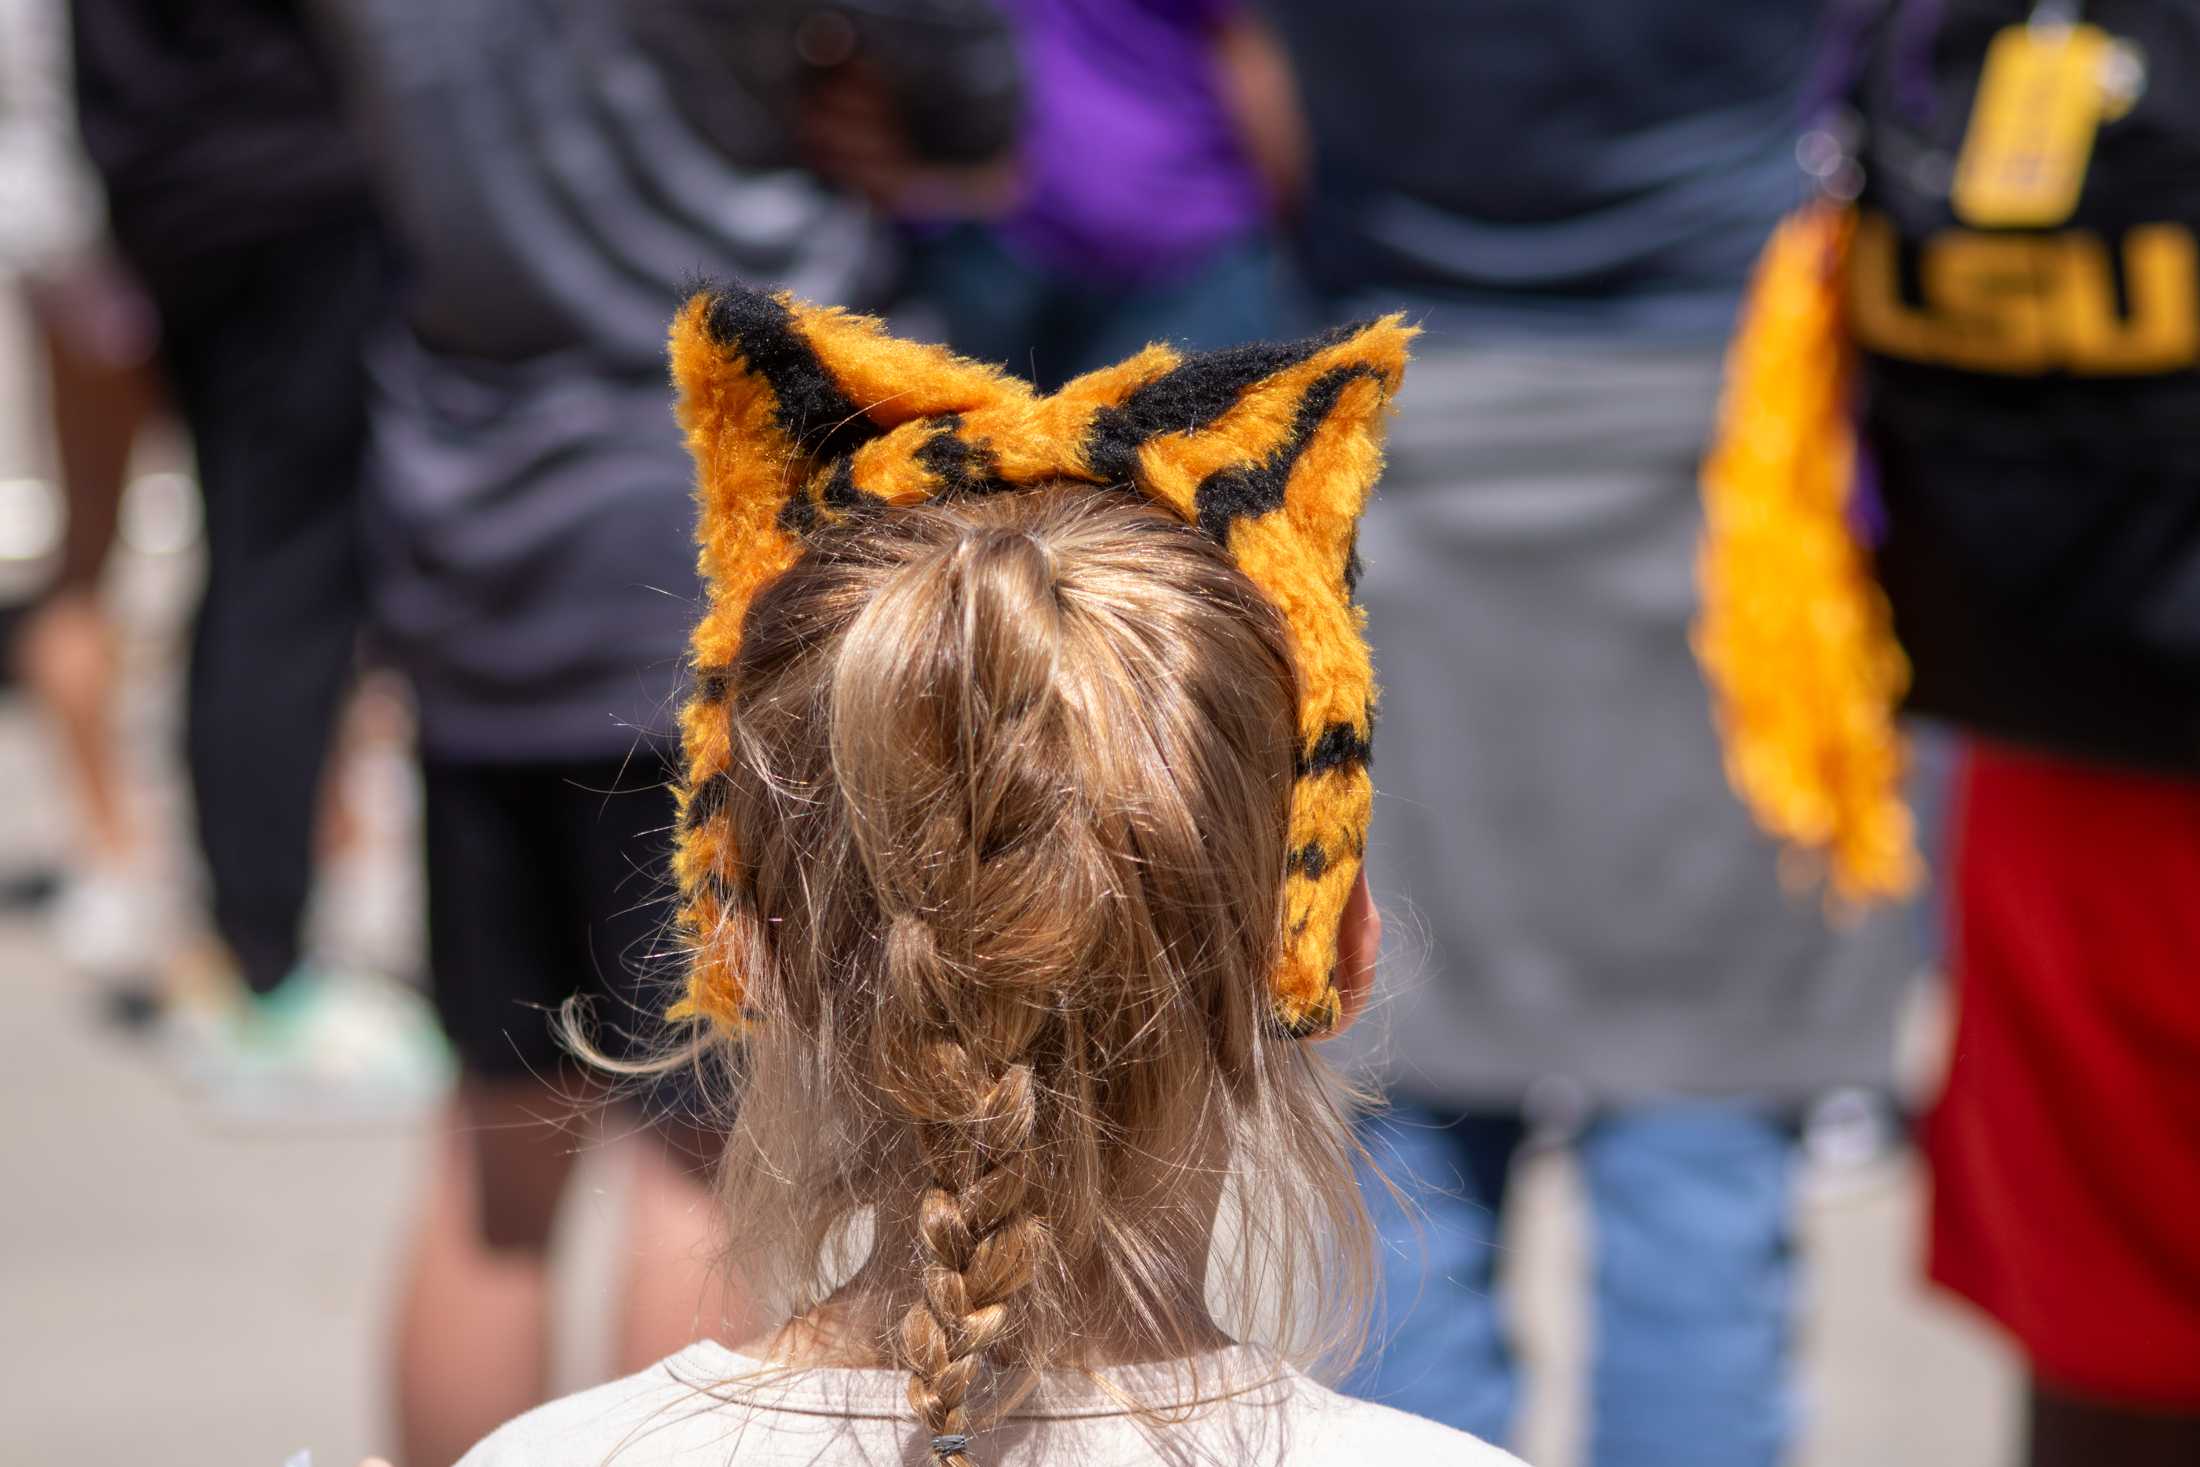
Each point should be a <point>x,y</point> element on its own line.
<point>344,571</point>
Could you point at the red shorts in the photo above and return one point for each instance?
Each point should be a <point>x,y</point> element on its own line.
<point>2066,1150</point>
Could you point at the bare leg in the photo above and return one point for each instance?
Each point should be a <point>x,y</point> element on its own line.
<point>66,654</point>
<point>473,1326</point>
<point>98,402</point>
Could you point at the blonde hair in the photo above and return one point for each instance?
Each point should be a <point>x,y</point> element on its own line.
<point>1011,780</point>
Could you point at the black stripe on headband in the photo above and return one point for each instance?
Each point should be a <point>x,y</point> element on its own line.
<point>814,412</point>
<point>707,801</point>
<point>838,492</point>
<point>1190,396</point>
<point>1339,747</point>
<point>961,465</point>
<point>713,685</point>
<point>1252,490</point>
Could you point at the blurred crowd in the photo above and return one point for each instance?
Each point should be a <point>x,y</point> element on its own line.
<point>382,286</point>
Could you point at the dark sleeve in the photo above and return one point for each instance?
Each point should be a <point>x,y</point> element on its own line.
<point>213,123</point>
<point>1205,15</point>
<point>118,76</point>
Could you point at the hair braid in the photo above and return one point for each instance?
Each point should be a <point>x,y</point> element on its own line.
<point>969,1005</point>
<point>980,1245</point>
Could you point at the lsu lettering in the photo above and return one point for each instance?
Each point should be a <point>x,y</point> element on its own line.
<point>2030,304</point>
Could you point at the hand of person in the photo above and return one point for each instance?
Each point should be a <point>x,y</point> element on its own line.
<point>1261,98</point>
<point>852,134</point>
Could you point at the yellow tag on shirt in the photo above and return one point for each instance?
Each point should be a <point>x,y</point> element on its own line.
<point>2040,101</point>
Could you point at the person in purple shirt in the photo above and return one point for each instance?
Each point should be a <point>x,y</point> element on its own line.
<point>1160,143</point>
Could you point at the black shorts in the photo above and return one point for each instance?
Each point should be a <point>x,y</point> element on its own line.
<point>546,881</point>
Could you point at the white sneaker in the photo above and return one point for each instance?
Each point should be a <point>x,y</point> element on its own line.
<point>1849,1137</point>
<point>103,924</point>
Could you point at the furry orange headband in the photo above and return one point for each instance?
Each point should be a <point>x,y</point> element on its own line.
<point>797,413</point>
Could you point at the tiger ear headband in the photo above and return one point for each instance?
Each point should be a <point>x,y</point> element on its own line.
<point>797,413</point>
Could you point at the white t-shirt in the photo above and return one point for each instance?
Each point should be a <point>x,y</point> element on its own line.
<point>709,1407</point>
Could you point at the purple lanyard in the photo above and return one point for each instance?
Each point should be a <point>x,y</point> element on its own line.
<point>1841,56</point>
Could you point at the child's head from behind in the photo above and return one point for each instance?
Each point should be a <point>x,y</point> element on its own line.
<point>1011,783</point>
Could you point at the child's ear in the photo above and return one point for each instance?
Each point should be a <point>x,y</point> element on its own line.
<point>1359,946</point>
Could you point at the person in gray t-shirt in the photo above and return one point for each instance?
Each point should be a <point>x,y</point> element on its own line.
<point>559,172</point>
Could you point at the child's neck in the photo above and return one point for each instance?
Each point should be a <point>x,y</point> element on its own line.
<point>854,1327</point>
<point>849,1329</point>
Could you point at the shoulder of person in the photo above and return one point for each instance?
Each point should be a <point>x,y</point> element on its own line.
<point>637,1421</point>
<point>1341,1429</point>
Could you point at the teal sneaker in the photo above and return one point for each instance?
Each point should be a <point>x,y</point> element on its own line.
<point>323,1049</point>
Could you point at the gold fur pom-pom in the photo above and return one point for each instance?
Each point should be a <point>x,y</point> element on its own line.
<point>1793,633</point>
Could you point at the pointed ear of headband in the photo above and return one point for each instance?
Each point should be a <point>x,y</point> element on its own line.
<point>796,413</point>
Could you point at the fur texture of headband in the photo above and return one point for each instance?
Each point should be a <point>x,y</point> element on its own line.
<point>797,414</point>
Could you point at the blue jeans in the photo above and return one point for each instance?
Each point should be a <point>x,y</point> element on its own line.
<point>1694,1279</point>
<point>999,307</point>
